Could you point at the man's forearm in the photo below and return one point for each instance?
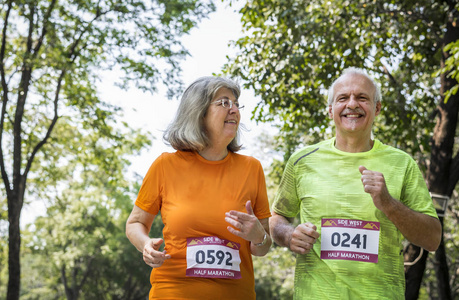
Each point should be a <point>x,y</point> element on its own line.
<point>420,229</point>
<point>281,230</point>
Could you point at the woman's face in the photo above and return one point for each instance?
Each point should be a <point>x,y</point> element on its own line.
<point>221,123</point>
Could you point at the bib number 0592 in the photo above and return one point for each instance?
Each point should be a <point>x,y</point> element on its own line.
<point>213,256</point>
<point>345,240</point>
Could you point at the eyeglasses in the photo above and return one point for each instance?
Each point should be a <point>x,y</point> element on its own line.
<point>225,102</point>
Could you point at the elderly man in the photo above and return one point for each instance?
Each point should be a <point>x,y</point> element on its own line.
<point>357,199</point>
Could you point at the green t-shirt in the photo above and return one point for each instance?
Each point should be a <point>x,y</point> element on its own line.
<point>322,182</point>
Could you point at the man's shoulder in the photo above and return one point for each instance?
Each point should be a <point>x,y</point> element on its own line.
<point>392,150</point>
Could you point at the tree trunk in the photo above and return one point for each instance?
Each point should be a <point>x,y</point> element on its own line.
<point>442,174</point>
<point>442,271</point>
<point>14,246</point>
<point>415,272</point>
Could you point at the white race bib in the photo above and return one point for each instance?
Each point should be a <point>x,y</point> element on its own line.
<point>350,240</point>
<point>212,257</point>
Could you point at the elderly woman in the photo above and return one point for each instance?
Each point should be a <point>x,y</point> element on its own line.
<point>213,202</point>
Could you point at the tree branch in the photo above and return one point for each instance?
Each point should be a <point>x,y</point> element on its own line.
<point>74,281</point>
<point>4,100</point>
<point>401,103</point>
<point>50,128</point>
<point>24,83</point>
<point>72,54</point>
<point>44,29</point>
<point>453,174</point>
<point>64,281</point>
<point>31,27</point>
<point>86,273</point>
<point>391,78</point>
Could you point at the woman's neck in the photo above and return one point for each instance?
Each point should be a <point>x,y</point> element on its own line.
<point>214,154</point>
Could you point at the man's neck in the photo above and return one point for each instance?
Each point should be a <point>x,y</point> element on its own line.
<point>354,144</point>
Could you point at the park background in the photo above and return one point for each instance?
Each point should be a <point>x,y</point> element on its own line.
<point>98,81</point>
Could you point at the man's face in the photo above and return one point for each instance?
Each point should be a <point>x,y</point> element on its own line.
<point>353,109</point>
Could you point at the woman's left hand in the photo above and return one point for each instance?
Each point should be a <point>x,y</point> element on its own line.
<point>247,224</point>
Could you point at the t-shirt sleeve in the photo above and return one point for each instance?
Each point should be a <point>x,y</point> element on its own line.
<point>286,202</point>
<point>415,194</point>
<point>150,194</point>
<point>261,206</point>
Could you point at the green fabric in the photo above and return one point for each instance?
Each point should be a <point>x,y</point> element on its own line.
<point>322,182</point>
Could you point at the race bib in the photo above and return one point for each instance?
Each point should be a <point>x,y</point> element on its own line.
<point>350,240</point>
<point>212,257</point>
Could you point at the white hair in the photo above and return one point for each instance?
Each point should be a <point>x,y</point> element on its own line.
<point>354,71</point>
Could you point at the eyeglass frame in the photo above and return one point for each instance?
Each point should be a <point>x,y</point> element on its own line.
<point>230,103</point>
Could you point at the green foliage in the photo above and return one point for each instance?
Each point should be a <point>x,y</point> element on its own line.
<point>451,67</point>
<point>55,50</point>
<point>83,37</point>
<point>451,240</point>
<point>274,274</point>
<point>452,243</point>
<point>293,50</point>
<point>80,243</point>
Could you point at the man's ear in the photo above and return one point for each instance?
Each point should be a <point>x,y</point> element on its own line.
<point>330,111</point>
<point>378,108</point>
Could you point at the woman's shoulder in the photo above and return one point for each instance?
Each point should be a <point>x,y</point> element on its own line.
<point>245,158</point>
<point>166,157</point>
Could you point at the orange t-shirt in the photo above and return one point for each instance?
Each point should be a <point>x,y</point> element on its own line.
<point>193,195</point>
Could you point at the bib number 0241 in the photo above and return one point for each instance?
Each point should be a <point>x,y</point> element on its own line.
<point>213,256</point>
<point>346,240</point>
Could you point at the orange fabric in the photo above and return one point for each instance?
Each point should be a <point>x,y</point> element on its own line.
<point>193,195</point>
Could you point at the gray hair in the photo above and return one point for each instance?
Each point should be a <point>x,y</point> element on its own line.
<point>354,71</point>
<point>187,132</point>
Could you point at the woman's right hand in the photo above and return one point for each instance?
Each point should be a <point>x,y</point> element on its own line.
<point>152,256</point>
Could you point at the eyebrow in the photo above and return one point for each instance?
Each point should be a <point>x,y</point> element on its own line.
<point>226,98</point>
<point>347,94</point>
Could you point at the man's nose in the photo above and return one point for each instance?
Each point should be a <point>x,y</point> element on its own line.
<point>352,103</point>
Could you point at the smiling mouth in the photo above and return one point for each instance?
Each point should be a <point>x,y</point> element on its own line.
<point>353,116</point>
<point>231,122</point>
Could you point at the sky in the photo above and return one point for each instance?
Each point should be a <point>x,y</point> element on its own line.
<point>208,45</point>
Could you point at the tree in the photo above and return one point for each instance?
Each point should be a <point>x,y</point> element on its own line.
<point>83,247</point>
<point>3,242</point>
<point>293,50</point>
<point>80,243</point>
<point>51,53</point>
<point>275,285</point>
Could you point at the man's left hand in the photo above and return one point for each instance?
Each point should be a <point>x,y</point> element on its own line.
<point>375,185</point>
